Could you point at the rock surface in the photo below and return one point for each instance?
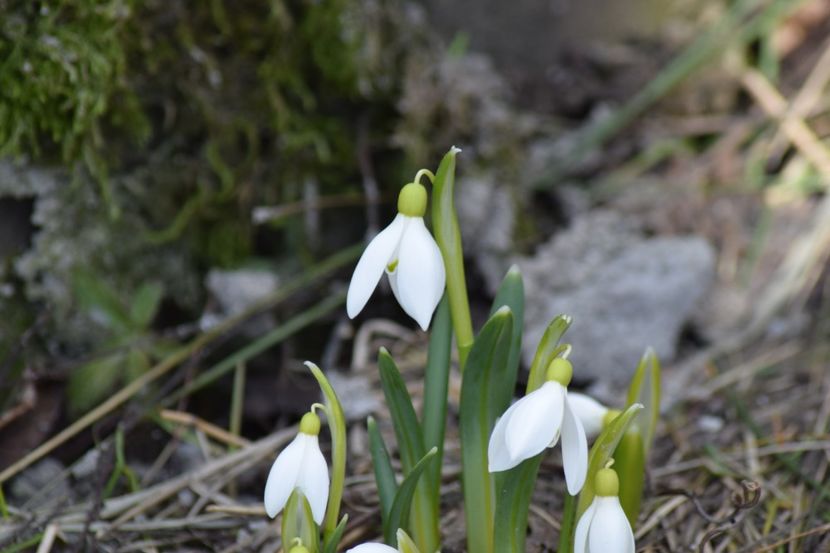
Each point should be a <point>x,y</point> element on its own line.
<point>625,292</point>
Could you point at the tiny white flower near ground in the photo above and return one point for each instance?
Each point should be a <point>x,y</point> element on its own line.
<point>300,466</point>
<point>405,545</point>
<point>408,254</point>
<point>535,422</point>
<point>603,527</point>
<point>591,413</point>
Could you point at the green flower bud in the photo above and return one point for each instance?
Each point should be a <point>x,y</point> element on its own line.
<point>310,424</point>
<point>299,549</point>
<point>606,483</point>
<point>560,370</point>
<point>412,201</point>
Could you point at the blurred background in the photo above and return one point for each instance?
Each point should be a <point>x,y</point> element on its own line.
<point>185,188</point>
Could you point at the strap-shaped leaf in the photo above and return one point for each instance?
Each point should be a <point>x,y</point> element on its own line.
<point>603,450</point>
<point>515,490</point>
<point>333,540</point>
<point>645,389</point>
<point>407,428</point>
<point>630,464</point>
<point>399,513</point>
<point>384,474</point>
<point>336,421</point>
<point>298,522</point>
<point>547,349</point>
<point>490,349</point>
<point>511,293</point>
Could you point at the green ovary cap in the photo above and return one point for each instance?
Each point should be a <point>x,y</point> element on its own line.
<point>310,424</point>
<point>606,483</point>
<point>298,549</point>
<point>560,370</point>
<point>610,416</point>
<point>412,201</point>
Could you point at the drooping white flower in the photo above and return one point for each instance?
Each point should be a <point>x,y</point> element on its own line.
<point>408,254</point>
<point>590,413</point>
<point>300,466</point>
<point>405,545</point>
<point>603,527</point>
<point>535,422</point>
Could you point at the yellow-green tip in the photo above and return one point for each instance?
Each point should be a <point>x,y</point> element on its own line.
<point>310,424</point>
<point>299,549</point>
<point>560,370</point>
<point>606,483</point>
<point>412,201</point>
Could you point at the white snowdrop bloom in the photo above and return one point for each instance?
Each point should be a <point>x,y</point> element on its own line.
<point>405,545</point>
<point>300,466</point>
<point>591,413</point>
<point>408,254</point>
<point>603,527</point>
<point>535,422</point>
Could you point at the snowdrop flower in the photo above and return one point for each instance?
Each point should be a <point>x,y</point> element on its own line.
<point>603,527</point>
<point>408,254</point>
<point>300,466</point>
<point>593,415</point>
<point>536,422</point>
<point>405,545</point>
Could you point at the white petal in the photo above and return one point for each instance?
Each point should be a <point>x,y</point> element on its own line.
<point>498,458</point>
<point>372,548</point>
<point>582,527</point>
<point>610,531</point>
<point>535,422</point>
<point>589,411</point>
<point>574,450</point>
<point>421,276</point>
<point>377,255</point>
<point>393,284</point>
<point>313,479</point>
<point>282,479</point>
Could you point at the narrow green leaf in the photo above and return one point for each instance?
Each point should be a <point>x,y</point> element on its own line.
<point>511,293</point>
<point>568,524</point>
<point>405,543</point>
<point>490,349</point>
<point>384,474</point>
<point>101,302</point>
<point>399,513</point>
<point>630,464</point>
<point>298,522</point>
<point>89,384</point>
<point>407,428</point>
<point>336,421</point>
<point>333,541</point>
<point>645,389</point>
<point>547,349</point>
<point>603,450</point>
<point>145,304</point>
<point>448,236</point>
<point>515,490</point>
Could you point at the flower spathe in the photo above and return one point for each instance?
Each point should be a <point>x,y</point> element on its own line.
<point>603,527</point>
<point>408,254</point>
<point>300,466</point>
<point>536,422</point>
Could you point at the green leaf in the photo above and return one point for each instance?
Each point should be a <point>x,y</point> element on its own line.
<point>89,384</point>
<point>407,428</point>
<point>405,543</point>
<point>547,349</point>
<point>333,540</point>
<point>145,304</point>
<point>101,302</point>
<point>511,293</point>
<point>298,522</point>
<point>448,236</point>
<point>399,513</point>
<point>630,464</point>
<point>436,383</point>
<point>603,450</point>
<point>137,364</point>
<point>384,474</point>
<point>490,350</point>
<point>336,421</point>
<point>645,389</point>
<point>515,491</point>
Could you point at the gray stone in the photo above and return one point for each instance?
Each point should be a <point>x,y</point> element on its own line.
<point>41,484</point>
<point>234,291</point>
<point>625,292</point>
